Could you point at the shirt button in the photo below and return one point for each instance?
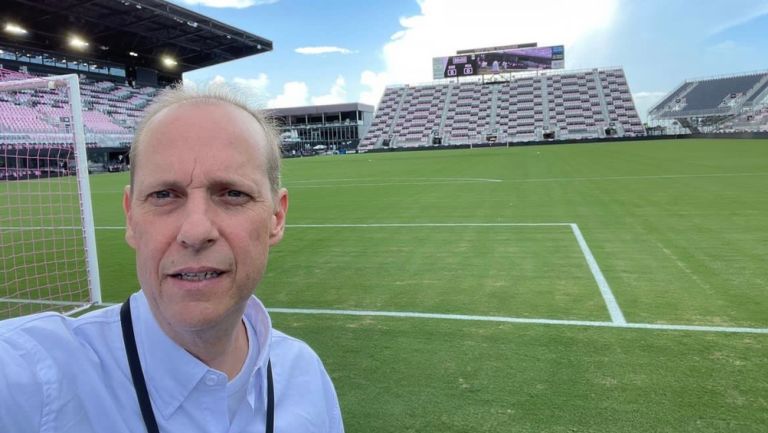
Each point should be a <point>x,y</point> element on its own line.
<point>210,379</point>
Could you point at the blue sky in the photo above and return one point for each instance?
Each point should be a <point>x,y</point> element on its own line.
<point>330,51</point>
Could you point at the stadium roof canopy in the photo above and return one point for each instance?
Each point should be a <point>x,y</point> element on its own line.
<point>319,109</point>
<point>114,29</point>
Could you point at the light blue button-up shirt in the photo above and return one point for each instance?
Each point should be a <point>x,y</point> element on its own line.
<point>61,374</point>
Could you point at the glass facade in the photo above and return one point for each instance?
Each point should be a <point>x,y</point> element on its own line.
<point>319,131</point>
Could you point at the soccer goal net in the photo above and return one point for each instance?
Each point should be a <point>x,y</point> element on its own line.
<point>47,245</point>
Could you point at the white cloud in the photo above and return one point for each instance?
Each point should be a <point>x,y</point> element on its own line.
<point>256,85</point>
<point>217,80</point>
<point>644,101</point>
<point>444,26</point>
<point>189,83</point>
<point>322,50</point>
<point>237,4</point>
<point>375,84</point>
<point>295,93</point>
<point>646,95</point>
<point>253,89</point>
<point>337,94</point>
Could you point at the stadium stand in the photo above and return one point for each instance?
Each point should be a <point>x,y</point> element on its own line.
<point>717,104</point>
<point>110,114</point>
<point>750,121</point>
<point>552,105</point>
<point>116,81</point>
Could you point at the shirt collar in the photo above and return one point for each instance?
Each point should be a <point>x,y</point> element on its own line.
<point>172,372</point>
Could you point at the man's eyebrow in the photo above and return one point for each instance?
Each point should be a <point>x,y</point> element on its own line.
<point>161,184</point>
<point>232,181</point>
<point>218,183</point>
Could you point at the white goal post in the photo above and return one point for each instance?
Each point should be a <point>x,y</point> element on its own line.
<point>48,258</point>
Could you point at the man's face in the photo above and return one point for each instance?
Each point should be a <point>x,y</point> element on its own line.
<point>201,216</point>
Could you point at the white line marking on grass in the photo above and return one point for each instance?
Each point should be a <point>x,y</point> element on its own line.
<point>682,266</point>
<point>435,182</point>
<point>520,320</point>
<point>357,180</point>
<point>660,176</point>
<point>41,301</point>
<point>60,228</point>
<point>617,318</point>
<point>502,319</point>
<point>330,183</point>
<point>335,225</point>
<point>605,290</point>
<point>610,301</point>
<point>429,225</point>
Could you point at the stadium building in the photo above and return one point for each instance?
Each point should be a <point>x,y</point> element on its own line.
<point>732,103</point>
<point>310,129</point>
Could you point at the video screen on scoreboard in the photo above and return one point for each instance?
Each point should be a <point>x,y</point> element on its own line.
<point>496,62</point>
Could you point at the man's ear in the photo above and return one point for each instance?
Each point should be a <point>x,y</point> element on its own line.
<point>129,235</point>
<point>278,217</point>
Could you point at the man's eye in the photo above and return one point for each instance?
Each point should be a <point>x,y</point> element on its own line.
<point>160,195</point>
<point>236,197</point>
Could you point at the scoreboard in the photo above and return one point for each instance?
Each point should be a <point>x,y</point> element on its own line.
<point>502,61</point>
<point>456,66</point>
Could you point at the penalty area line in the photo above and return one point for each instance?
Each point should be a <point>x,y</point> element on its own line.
<point>503,319</point>
<point>523,320</point>
<point>617,316</point>
<point>338,225</point>
<point>430,182</point>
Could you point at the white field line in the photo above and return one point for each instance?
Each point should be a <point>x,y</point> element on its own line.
<point>605,290</point>
<point>430,225</point>
<point>41,301</point>
<point>440,180</point>
<point>521,320</point>
<point>658,176</point>
<point>333,183</point>
<point>357,180</point>
<point>57,228</point>
<point>502,319</point>
<point>610,301</point>
<point>356,185</point>
<point>336,225</point>
<point>682,266</point>
<point>580,238</point>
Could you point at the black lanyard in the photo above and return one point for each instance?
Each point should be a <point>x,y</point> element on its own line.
<point>141,386</point>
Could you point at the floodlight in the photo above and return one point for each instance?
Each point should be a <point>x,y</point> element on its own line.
<point>133,54</point>
<point>15,29</point>
<point>78,42</point>
<point>169,61</point>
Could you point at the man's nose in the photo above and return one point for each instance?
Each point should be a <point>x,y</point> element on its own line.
<point>198,228</point>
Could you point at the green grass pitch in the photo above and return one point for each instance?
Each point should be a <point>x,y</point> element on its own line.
<point>679,229</point>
